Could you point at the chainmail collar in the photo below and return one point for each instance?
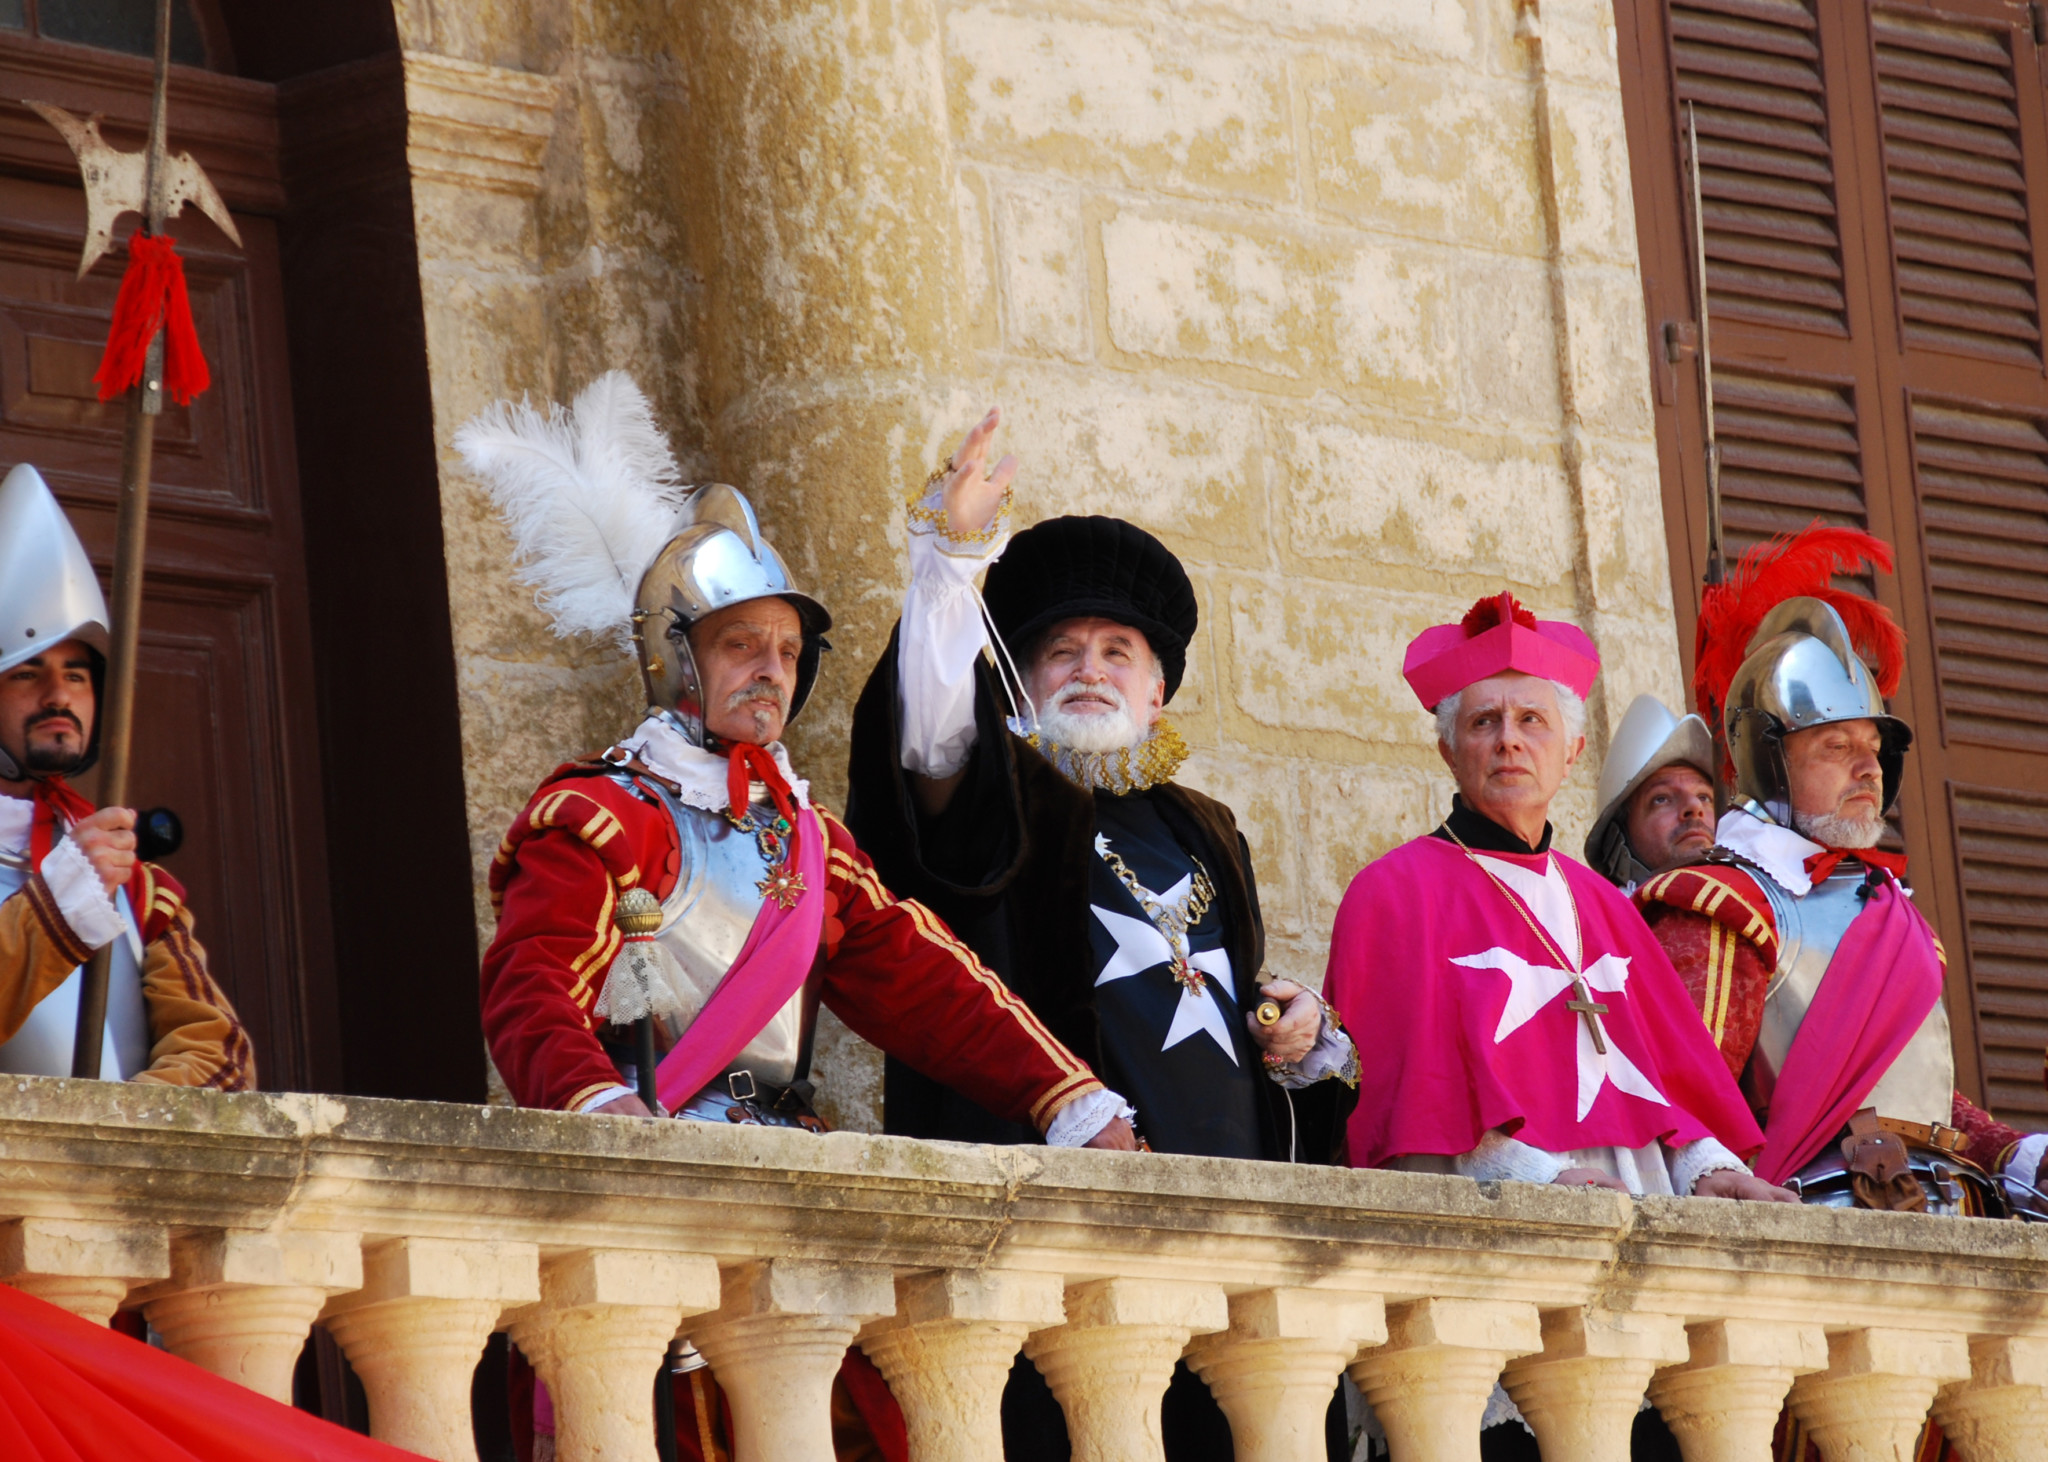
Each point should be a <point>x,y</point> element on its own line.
<point>1127,769</point>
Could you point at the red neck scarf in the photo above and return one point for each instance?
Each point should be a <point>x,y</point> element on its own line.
<point>58,808</point>
<point>1821,864</point>
<point>746,761</point>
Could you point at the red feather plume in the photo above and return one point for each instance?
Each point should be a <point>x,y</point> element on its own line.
<point>1787,567</point>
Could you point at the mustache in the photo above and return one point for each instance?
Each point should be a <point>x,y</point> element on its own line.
<point>55,713</point>
<point>760,690</point>
<point>1105,691</point>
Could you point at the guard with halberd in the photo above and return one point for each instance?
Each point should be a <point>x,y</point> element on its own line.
<point>70,879</point>
<point>1800,943</point>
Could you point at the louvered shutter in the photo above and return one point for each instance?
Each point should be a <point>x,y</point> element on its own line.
<point>1751,69</point>
<point>1962,247</point>
<point>1874,182</point>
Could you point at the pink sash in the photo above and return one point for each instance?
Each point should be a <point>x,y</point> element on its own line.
<point>1878,989</point>
<point>772,966</point>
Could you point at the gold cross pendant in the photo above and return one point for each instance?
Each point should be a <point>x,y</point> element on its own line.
<point>783,886</point>
<point>1592,1009</point>
<point>1189,977</point>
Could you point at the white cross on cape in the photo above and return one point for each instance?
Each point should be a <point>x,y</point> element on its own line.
<point>1140,947</point>
<point>1531,987</point>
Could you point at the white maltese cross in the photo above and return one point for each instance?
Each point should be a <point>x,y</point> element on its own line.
<point>1531,987</point>
<point>1140,947</point>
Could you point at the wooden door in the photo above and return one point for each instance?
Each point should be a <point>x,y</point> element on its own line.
<point>1874,180</point>
<point>225,722</point>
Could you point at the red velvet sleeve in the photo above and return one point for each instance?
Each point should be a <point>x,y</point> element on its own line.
<point>899,978</point>
<point>1715,925</point>
<point>1991,1141</point>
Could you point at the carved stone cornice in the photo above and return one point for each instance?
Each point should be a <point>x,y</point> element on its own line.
<point>476,126</point>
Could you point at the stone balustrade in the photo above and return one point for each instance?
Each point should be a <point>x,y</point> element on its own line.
<point>413,1231</point>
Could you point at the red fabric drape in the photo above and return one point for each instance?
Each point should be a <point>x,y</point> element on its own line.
<point>75,1392</point>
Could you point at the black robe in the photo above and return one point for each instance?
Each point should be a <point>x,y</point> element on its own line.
<point>1008,866</point>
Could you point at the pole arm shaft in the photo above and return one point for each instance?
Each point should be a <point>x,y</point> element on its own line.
<point>1716,556</point>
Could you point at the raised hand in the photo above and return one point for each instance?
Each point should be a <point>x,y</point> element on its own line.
<point>970,496</point>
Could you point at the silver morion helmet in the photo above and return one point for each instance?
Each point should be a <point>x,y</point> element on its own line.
<point>716,559</point>
<point>48,591</point>
<point>1649,739</point>
<point>614,544</point>
<point>1800,671</point>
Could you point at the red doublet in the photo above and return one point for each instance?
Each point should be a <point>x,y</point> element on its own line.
<point>1716,925</point>
<point>890,969</point>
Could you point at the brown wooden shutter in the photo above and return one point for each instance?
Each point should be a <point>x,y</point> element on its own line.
<point>2002,844</point>
<point>1751,69</point>
<point>1961,245</point>
<point>1875,194</point>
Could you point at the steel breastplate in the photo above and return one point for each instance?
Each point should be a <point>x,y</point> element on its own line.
<point>1920,1084</point>
<point>705,921</point>
<point>42,1047</point>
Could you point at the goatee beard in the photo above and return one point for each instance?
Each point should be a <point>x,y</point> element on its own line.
<point>1839,829</point>
<point>1103,731</point>
<point>52,760</point>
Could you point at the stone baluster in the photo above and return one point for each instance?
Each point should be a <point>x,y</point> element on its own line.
<point>1429,1382</point>
<point>777,1339</point>
<point>81,1265</point>
<point>1274,1370</point>
<point>1873,1398</point>
<point>240,1302</point>
<point>1581,1394</point>
<point>947,1353</point>
<point>597,1337</point>
<point>1110,1363</point>
<point>1723,1402</point>
<point>415,1329</point>
<point>2001,1413</point>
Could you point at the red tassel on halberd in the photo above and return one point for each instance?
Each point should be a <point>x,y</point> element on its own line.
<point>153,297</point>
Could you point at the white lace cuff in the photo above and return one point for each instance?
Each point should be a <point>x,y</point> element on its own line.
<point>1692,1161</point>
<point>81,898</point>
<point>2025,1162</point>
<point>1082,1119</point>
<point>609,1094</point>
<point>1333,1055</point>
<point>1500,1158</point>
<point>940,639</point>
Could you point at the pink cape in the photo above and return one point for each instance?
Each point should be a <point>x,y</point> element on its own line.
<point>1883,980</point>
<point>1433,1078</point>
<point>77,1392</point>
<point>772,966</point>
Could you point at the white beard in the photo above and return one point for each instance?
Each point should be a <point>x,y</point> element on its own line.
<point>1097,732</point>
<point>1839,830</point>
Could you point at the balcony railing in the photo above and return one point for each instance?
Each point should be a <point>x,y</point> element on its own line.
<point>414,1231</point>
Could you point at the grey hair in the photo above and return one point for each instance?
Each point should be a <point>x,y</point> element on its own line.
<point>1570,705</point>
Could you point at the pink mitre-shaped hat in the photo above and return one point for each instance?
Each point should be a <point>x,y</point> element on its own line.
<point>1497,635</point>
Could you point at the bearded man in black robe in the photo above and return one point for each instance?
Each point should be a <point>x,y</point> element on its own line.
<point>1024,791</point>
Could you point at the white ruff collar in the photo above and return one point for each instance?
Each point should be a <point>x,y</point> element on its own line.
<point>1779,851</point>
<point>699,775</point>
<point>1151,759</point>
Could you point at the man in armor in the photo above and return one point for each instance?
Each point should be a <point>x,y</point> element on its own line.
<point>1656,795</point>
<point>70,880</point>
<point>678,899</point>
<point>1801,947</point>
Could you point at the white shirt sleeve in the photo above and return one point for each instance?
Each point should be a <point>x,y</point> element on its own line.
<point>1503,1158</point>
<point>1333,1055</point>
<point>609,1094</point>
<point>81,898</point>
<point>940,639</point>
<point>1692,1161</point>
<point>2025,1162</point>
<point>1077,1123</point>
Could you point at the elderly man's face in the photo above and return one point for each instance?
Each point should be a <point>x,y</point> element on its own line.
<point>1671,817</point>
<point>1837,783</point>
<point>746,664</point>
<point>1512,751</point>
<point>1096,683</point>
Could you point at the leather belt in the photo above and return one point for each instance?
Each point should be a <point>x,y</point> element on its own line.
<point>1927,1134</point>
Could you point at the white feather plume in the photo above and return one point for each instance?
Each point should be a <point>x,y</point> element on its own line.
<point>590,493</point>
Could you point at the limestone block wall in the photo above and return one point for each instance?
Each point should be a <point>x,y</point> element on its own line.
<point>1339,297</point>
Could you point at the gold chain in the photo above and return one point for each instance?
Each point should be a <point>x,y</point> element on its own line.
<point>935,520</point>
<point>1173,923</point>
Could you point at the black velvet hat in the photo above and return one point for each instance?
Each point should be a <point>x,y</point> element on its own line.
<point>1077,568</point>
